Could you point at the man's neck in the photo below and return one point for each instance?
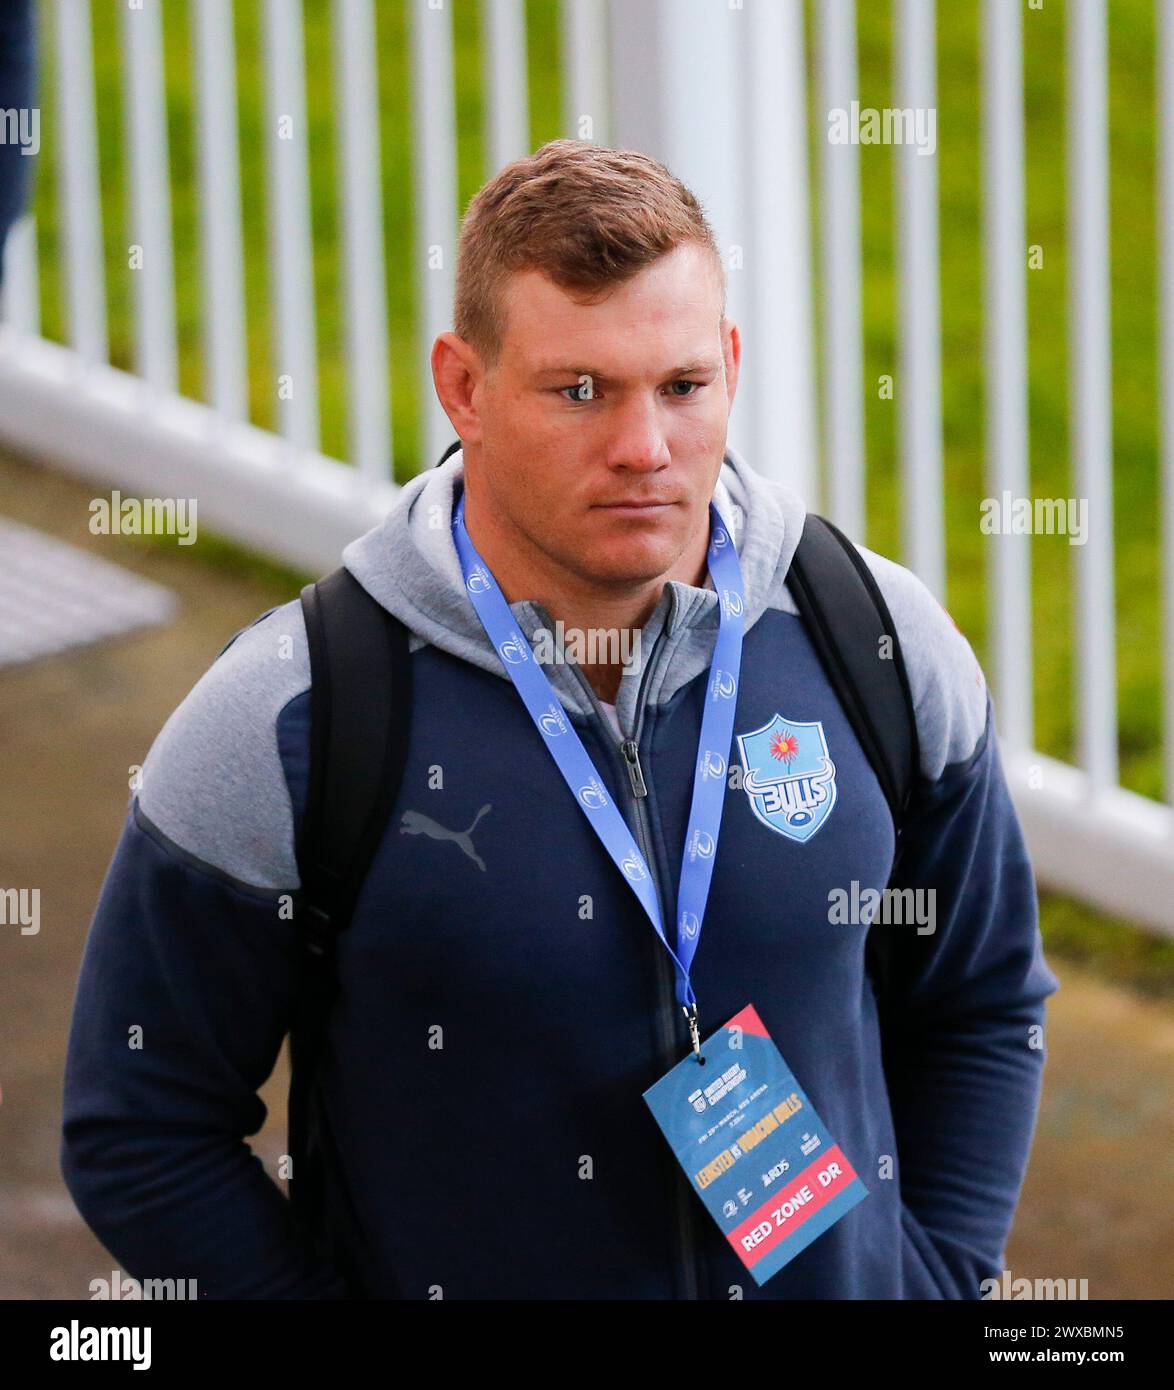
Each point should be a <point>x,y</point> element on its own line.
<point>622,611</point>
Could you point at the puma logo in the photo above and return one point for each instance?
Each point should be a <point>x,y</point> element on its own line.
<point>415,823</point>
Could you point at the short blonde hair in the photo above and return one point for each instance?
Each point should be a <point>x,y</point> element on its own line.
<point>586,216</point>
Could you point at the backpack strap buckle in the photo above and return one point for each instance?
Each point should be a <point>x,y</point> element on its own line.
<point>317,931</point>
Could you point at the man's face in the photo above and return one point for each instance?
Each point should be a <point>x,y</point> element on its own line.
<point>621,402</point>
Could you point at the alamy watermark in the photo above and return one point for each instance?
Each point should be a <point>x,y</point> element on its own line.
<point>857,906</point>
<point>21,125</point>
<point>1007,1287</point>
<point>592,646</point>
<point>144,516</point>
<point>122,1286</point>
<point>21,907</point>
<point>1035,516</point>
<point>78,1343</point>
<point>890,125</point>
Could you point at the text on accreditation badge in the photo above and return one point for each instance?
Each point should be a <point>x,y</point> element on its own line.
<point>752,1146</point>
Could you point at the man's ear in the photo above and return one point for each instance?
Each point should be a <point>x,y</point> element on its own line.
<point>732,355</point>
<point>457,372</point>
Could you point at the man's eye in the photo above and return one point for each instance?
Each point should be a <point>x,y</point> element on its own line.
<point>583,391</point>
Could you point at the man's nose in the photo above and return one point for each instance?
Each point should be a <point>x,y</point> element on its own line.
<point>639,442</point>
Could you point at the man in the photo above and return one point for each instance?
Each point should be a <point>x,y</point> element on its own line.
<point>503,1003</point>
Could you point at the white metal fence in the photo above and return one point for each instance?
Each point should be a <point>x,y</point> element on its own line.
<point>717,89</point>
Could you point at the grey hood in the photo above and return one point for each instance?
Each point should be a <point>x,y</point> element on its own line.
<point>214,782</point>
<point>409,564</point>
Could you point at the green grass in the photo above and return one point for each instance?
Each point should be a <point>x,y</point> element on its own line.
<point>1116,949</point>
<point>1133,283</point>
<point>279,582</point>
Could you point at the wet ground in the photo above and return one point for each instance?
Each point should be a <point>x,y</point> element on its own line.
<point>1099,1193</point>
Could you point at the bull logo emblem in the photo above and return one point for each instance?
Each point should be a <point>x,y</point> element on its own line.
<point>790,777</point>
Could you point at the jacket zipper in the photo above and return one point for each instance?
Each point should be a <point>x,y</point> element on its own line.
<point>666,992</point>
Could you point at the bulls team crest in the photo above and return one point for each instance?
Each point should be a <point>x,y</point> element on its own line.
<point>789,776</point>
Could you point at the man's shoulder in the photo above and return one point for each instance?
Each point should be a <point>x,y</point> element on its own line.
<point>214,784</point>
<point>946,681</point>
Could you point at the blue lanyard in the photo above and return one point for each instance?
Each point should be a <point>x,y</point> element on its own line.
<point>579,772</point>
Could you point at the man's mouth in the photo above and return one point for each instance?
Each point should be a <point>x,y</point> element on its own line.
<point>635,508</point>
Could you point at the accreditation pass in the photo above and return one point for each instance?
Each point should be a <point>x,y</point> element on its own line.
<point>750,1142</point>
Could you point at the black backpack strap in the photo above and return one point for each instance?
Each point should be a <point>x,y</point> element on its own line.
<point>361,695</point>
<point>360,704</point>
<point>846,618</point>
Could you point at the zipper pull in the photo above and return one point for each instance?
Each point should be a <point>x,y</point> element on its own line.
<point>694,1029</point>
<point>632,758</point>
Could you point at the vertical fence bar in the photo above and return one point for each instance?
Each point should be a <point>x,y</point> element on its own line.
<point>1006,363</point>
<point>292,263</point>
<point>221,261</point>
<point>1088,328</point>
<point>435,210</point>
<point>777,299</point>
<point>656,52</point>
<point>503,45</point>
<point>586,114</point>
<point>79,213</point>
<point>22,300</point>
<point>839,221</point>
<point>357,93</point>
<point>153,278</point>
<point>1165,20</point>
<point>919,386</point>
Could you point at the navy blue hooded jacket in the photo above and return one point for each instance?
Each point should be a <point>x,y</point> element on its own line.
<point>504,1001</point>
